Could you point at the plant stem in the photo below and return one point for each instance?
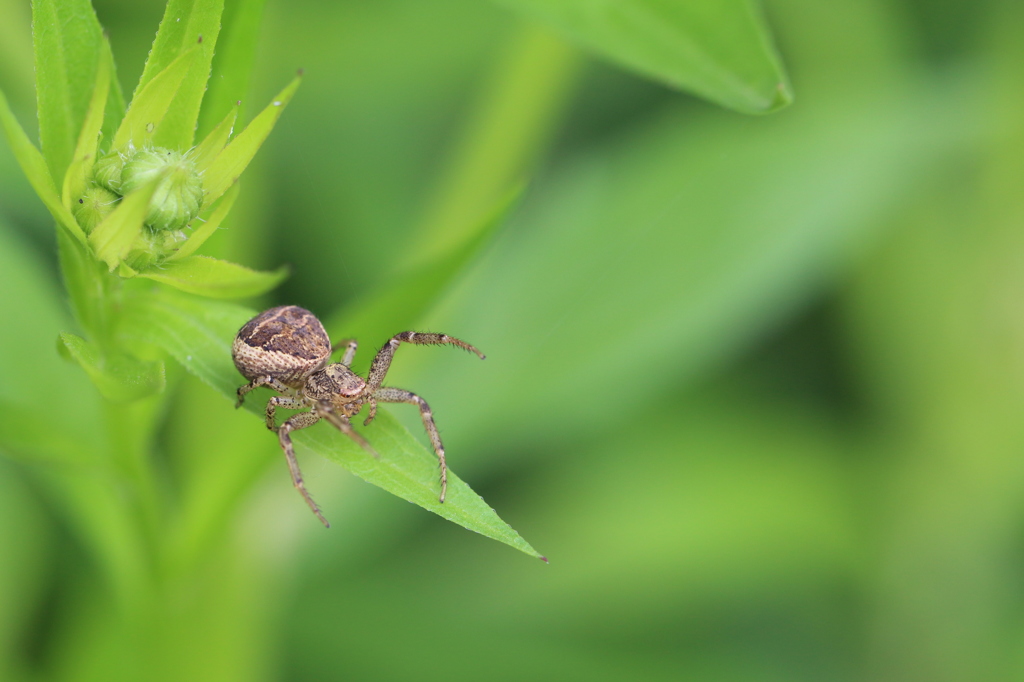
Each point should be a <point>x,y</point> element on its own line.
<point>516,112</point>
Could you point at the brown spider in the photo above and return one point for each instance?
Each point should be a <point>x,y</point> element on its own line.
<point>287,349</point>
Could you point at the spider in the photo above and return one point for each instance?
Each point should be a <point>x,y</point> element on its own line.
<point>287,349</point>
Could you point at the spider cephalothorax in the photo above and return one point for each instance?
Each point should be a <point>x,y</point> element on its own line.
<point>287,349</point>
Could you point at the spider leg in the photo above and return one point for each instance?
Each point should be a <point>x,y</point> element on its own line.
<point>373,411</point>
<point>382,361</point>
<point>350,350</point>
<point>341,422</point>
<point>397,395</point>
<point>299,421</point>
<point>281,401</point>
<point>256,383</point>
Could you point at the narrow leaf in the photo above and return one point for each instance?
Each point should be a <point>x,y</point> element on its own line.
<point>68,43</point>
<point>115,101</point>
<point>230,163</point>
<point>212,144</point>
<point>89,137</point>
<point>84,281</point>
<point>119,378</point>
<point>198,333</point>
<point>186,23</point>
<point>215,278</point>
<point>409,470</point>
<point>206,230</point>
<point>718,49</point>
<point>34,166</point>
<point>233,63</point>
<point>152,102</point>
<point>113,238</point>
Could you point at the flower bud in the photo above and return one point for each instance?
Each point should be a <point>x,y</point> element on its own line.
<point>151,247</point>
<point>107,171</point>
<point>178,196</point>
<point>93,206</point>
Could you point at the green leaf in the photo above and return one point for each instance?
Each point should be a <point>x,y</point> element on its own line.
<point>186,23</point>
<point>84,280</point>
<point>206,230</point>
<point>89,138</point>
<point>409,470</point>
<point>113,238</point>
<point>214,143</point>
<point>233,159</point>
<point>119,377</point>
<point>34,166</point>
<point>207,276</point>
<point>115,102</point>
<point>152,103</point>
<point>198,333</point>
<point>233,62</point>
<point>68,44</point>
<point>718,49</point>
<point>400,302</point>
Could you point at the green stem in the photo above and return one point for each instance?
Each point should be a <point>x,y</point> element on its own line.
<point>512,120</point>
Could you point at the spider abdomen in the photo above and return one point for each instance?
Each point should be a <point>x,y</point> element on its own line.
<point>287,343</point>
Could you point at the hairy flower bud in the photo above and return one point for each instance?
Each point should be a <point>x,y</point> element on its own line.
<point>107,171</point>
<point>152,246</point>
<point>93,206</point>
<point>178,196</point>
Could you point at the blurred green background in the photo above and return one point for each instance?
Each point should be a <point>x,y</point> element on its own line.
<point>754,385</point>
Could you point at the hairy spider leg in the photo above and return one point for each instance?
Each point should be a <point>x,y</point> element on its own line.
<point>373,410</point>
<point>397,395</point>
<point>256,383</point>
<point>281,401</point>
<point>350,350</point>
<point>382,361</point>
<point>341,422</point>
<point>295,422</point>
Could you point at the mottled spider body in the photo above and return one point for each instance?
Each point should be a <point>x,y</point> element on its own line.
<point>286,343</point>
<point>287,349</point>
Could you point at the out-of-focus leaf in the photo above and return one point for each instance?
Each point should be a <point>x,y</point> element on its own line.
<point>68,44</point>
<point>232,65</point>
<point>34,166</point>
<point>233,159</point>
<point>152,103</point>
<point>186,23</point>
<point>718,49</point>
<point>119,378</point>
<point>198,333</point>
<point>24,536</point>
<point>401,301</point>
<point>113,238</point>
<point>212,144</point>
<point>89,138</point>
<point>206,230</point>
<point>215,278</point>
<point>16,52</point>
<point>50,410</point>
<point>654,257</point>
